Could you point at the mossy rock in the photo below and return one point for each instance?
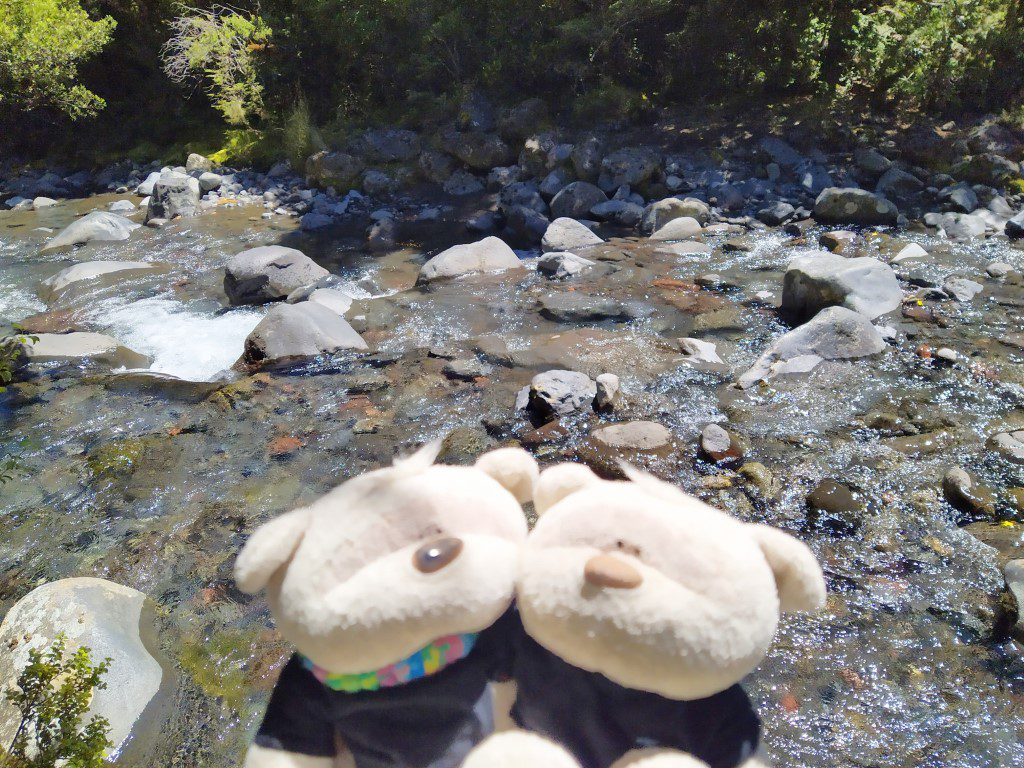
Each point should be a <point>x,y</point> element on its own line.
<point>117,458</point>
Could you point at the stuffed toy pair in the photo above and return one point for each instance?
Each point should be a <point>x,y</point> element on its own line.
<point>639,609</point>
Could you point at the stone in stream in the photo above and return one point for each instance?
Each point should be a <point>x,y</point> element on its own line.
<point>660,213</point>
<point>1013,572</point>
<point>961,289</point>
<point>466,369</point>
<point>908,252</point>
<point>998,269</point>
<point>576,307</point>
<point>299,331</point>
<point>962,227</point>
<point>1010,445</point>
<point>639,443</point>
<point>958,198</point>
<point>820,279</point>
<point>82,346</point>
<point>966,495</point>
<point>53,286</point>
<point>1015,227</point>
<point>332,298</point>
<point>98,226</point>
<point>553,394</point>
<point>565,234</point>
<point>488,255</point>
<point>576,199</point>
<point>109,620</point>
<point>174,194</point>
<point>607,393</point>
<point>562,264</point>
<point>268,273</point>
<point>461,183</point>
<point>680,228</point>
<point>850,205</point>
<point>700,351</point>
<point>837,240</point>
<point>776,215</point>
<point>122,207</point>
<point>835,507</point>
<point>210,181</point>
<point>835,333</point>
<point>719,446</point>
<point>145,189</point>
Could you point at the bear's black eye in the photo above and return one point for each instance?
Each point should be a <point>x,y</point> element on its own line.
<point>627,548</point>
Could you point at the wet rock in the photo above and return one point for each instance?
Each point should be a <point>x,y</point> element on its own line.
<point>776,215</point>
<point>553,394</point>
<point>174,194</point>
<point>998,269</point>
<point>484,222</point>
<point>488,255</point>
<point>966,495</point>
<point>718,445</point>
<point>622,213</point>
<point>466,369</point>
<point>607,393</point>
<point>850,205</point>
<point>634,435</point>
<point>145,189</point>
<point>837,241</point>
<point>122,207</point>
<point>561,264</point>
<point>1010,445</point>
<point>80,347</point>
<point>820,280</point>
<point>299,331</point>
<point>962,227</point>
<point>565,234</point>
<point>103,616</point>
<point>383,234</point>
<point>699,351</point>
<point>633,166</point>
<point>98,226</point>
<point>526,225</point>
<point>334,169</point>
<point>660,213</point>
<point>575,307</point>
<point>760,478</point>
<point>835,333</point>
<point>335,300</point>
<point>89,271</point>
<point>835,507</point>
<point>680,228</point>
<point>961,289</point>
<point>315,220</point>
<point>576,200</point>
<point>479,151</point>
<point>268,273</point>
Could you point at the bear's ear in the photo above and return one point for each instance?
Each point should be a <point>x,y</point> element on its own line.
<point>513,468</point>
<point>557,482</point>
<point>798,576</point>
<point>270,547</point>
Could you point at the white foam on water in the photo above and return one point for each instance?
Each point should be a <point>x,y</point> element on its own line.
<point>181,341</point>
<point>17,303</point>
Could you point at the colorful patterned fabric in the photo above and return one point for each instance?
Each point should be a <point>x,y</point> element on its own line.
<point>426,661</point>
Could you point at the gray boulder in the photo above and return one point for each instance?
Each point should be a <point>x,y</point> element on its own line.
<point>567,234</point>
<point>100,615</point>
<point>682,228</point>
<point>962,227</point>
<point>488,255</point>
<point>622,213</point>
<point>586,158</point>
<point>334,169</point>
<point>81,347</point>
<point>576,199</point>
<point>849,205</point>
<point>1015,227</point>
<point>479,151</point>
<point>897,183</point>
<point>562,264</point>
<point>835,333</point>
<point>196,162</point>
<point>461,183</point>
<point>633,166</point>
<point>98,226</point>
<point>53,286</point>
<point>299,331</point>
<point>268,273</point>
<point>776,215</point>
<point>558,393</point>
<point>958,198</point>
<point>145,189</point>
<point>660,213</point>
<point>435,166</point>
<point>961,289</point>
<point>821,279</point>
<point>389,145</point>
<point>1010,445</point>
<point>174,194</point>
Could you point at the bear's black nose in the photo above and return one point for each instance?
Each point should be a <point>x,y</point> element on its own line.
<point>436,554</point>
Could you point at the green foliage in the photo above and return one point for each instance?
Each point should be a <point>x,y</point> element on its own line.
<point>53,694</point>
<point>219,46</point>
<point>42,44</point>
<point>297,134</point>
<point>10,351</point>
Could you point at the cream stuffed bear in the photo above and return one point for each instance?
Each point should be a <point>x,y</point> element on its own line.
<point>643,608</point>
<point>392,587</point>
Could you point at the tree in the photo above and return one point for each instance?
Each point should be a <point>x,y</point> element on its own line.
<point>53,694</point>
<point>42,44</point>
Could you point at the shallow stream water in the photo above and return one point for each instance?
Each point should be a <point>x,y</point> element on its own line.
<point>154,481</point>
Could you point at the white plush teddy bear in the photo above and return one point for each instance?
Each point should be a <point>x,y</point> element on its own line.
<point>643,608</point>
<point>392,588</point>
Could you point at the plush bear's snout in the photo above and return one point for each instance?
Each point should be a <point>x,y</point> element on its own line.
<point>611,572</point>
<point>436,554</point>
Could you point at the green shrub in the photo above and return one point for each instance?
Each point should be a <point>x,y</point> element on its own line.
<point>11,350</point>
<point>42,44</point>
<point>53,694</point>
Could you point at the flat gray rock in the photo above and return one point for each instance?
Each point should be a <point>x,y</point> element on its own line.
<point>821,279</point>
<point>850,205</point>
<point>565,234</point>
<point>299,331</point>
<point>491,254</point>
<point>268,273</point>
<point>90,270</point>
<point>82,346</point>
<point>98,226</point>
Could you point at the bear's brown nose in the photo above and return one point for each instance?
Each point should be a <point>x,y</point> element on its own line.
<point>611,572</point>
<point>436,554</point>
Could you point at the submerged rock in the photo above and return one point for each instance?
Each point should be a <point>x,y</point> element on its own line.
<point>97,614</point>
<point>299,331</point>
<point>101,226</point>
<point>961,490</point>
<point>488,255</point>
<point>268,273</point>
<point>82,346</point>
<point>90,270</point>
<point>835,333</point>
<point>821,279</point>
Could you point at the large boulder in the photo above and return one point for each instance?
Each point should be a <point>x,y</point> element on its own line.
<point>897,183</point>
<point>821,279</point>
<point>53,286</point>
<point>567,234</point>
<point>334,169</point>
<point>480,151</point>
<point>389,145</point>
<point>835,333</point>
<point>488,255</point>
<point>98,226</point>
<point>523,119</point>
<point>660,213</point>
<point>987,168</point>
<point>100,615</point>
<point>586,158</point>
<point>849,205</point>
<point>576,199</point>
<point>82,347</point>
<point>174,194</point>
<point>268,273</point>
<point>633,166</point>
<point>682,228</point>
<point>299,331</point>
